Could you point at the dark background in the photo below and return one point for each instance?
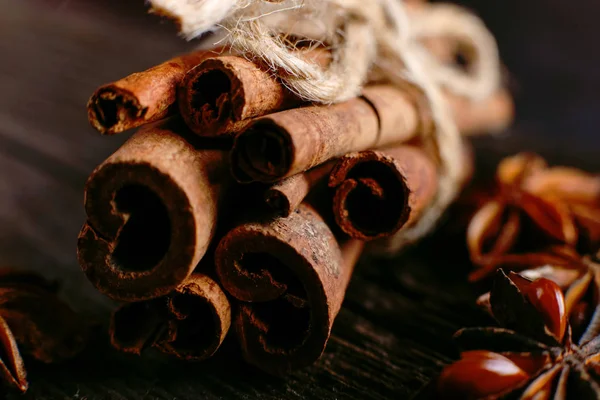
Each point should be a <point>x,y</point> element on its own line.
<point>394,331</point>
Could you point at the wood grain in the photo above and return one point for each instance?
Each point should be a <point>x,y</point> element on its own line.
<point>394,330</point>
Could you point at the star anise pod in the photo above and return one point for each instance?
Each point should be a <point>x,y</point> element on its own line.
<point>532,355</point>
<point>577,276</point>
<point>34,322</point>
<point>560,263</point>
<point>579,190</point>
<point>558,205</point>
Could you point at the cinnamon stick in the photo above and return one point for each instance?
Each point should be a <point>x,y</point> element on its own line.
<point>189,323</point>
<point>479,117</point>
<point>152,211</point>
<point>285,196</point>
<point>286,143</point>
<point>141,97</point>
<point>290,278</point>
<point>377,193</point>
<point>220,95</point>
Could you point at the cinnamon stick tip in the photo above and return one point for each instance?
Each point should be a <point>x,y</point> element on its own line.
<point>278,202</point>
<point>262,152</point>
<point>371,198</point>
<point>136,205</point>
<point>211,98</point>
<point>113,110</point>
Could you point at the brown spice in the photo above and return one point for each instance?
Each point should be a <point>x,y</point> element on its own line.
<point>189,323</point>
<point>532,355</point>
<point>44,327</point>
<point>152,212</point>
<point>492,114</point>
<point>289,142</point>
<point>286,195</point>
<point>561,205</point>
<point>220,95</point>
<point>141,97</point>
<point>577,276</point>
<point>379,192</point>
<point>290,277</point>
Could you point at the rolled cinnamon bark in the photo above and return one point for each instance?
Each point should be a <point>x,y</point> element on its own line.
<point>141,97</point>
<point>479,117</point>
<point>290,277</point>
<point>377,193</point>
<point>286,143</point>
<point>220,95</point>
<point>152,211</point>
<point>189,323</point>
<point>286,195</point>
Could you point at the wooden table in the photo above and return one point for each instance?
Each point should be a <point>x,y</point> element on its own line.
<point>394,330</point>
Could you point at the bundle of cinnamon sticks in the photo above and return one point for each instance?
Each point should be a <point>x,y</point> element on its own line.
<point>238,204</point>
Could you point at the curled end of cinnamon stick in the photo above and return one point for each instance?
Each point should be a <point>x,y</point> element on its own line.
<point>217,96</point>
<point>200,319</point>
<point>136,326</point>
<point>207,95</point>
<point>379,192</point>
<point>127,247</point>
<point>151,213</point>
<point>278,201</point>
<point>113,110</point>
<point>288,275</point>
<point>189,323</point>
<point>285,196</point>
<point>262,152</point>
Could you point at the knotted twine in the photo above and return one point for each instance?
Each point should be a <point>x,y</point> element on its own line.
<point>366,37</point>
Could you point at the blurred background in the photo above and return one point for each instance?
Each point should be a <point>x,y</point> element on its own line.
<point>548,47</point>
<point>54,53</point>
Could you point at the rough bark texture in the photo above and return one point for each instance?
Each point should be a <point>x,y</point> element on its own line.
<point>286,143</point>
<point>285,196</point>
<point>393,332</point>
<point>220,95</point>
<point>290,277</point>
<point>289,142</point>
<point>141,97</point>
<point>152,212</point>
<point>377,193</point>
<point>189,323</point>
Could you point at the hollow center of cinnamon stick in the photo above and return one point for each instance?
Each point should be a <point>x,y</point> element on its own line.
<point>260,264</point>
<point>282,315</point>
<point>261,277</point>
<point>146,236</point>
<point>264,153</point>
<point>198,330</point>
<point>287,323</point>
<point>210,95</point>
<point>379,199</point>
<point>137,325</point>
<point>112,108</point>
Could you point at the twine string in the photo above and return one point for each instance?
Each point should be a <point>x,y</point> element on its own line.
<point>382,36</point>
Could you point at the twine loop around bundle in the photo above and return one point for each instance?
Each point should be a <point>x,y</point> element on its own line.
<point>381,38</point>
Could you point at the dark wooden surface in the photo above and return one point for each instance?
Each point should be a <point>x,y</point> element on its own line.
<point>394,330</point>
